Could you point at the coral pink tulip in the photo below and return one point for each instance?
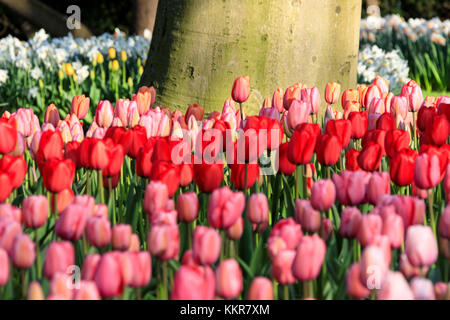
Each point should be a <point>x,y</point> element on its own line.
<point>206,245</point>
<point>225,207</point>
<point>35,211</point>
<point>323,194</point>
<point>229,282</point>
<point>309,258</point>
<point>193,283</point>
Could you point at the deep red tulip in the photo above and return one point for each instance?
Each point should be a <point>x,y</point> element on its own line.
<point>351,160</point>
<point>8,132</point>
<point>167,173</point>
<point>58,174</point>
<point>71,151</point>
<point>303,142</point>
<point>386,122</point>
<point>115,156</point>
<point>194,110</point>
<point>133,140</point>
<point>437,130</point>
<point>402,167</point>
<point>360,123</point>
<point>340,128</point>
<point>328,149</point>
<point>370,157</point>
<point>285,166</point>
<point>238,175</point>
<point>51,146</point>
<point>16,167</point>
<point>425,117</point>
<point>208,176</point>
<point>377,136</point>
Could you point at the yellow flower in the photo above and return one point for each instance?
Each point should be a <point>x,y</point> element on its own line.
<point>68,69</point>
<point>112,53</point>
<point>41,83</point>
<point>94,62</point>
<point>75,77</point>
<point>130,82</point>
<point>99,58</point>
<point>61,74</point>
<point>141,70</point>
<point>115,65</point>
<point>123,56</point>
<point>92,74</point>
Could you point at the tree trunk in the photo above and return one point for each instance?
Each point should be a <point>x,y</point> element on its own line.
<point>200,47</point>
<point>144,15</point>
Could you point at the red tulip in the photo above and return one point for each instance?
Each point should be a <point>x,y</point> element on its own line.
<point>309,258</point>
<point>370,157</point>
<point>8,132</point>
<point>376,136</point>
<point>208,176</point>
<point>58,258</point>
<point>340,128</point>
<point>133,140</point>
<point>143,160</point>
<point>225,207</point>
<point>402,167</point>
<point>58,174</point>
<point>395,141</point>
<point>302,144</point>
<point>238,175</point>
<point>168,173</point>
<point>206,245</point>
<point>328,149</point>
<point>443,106</point>
<point>51,146</point>
<point>193,283</point>
<point>386,122</point>
<point>16,167</point>
<point>437,130</point>
<point>425,117</point>
<point>194,110</point>
<point>351,160</point>
<point>360,123</point>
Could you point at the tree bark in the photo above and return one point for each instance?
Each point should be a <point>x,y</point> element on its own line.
<point>144,15</point>
<point>199,47</point>
<point>45,17</point>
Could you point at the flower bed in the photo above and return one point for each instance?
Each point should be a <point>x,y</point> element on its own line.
<point>154,204</point>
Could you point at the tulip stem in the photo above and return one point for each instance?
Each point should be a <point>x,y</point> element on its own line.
<point>138,294</point>
<point>286,292</point>
<point>245,180</point>
<point>189,234</point>
<point>275,289</point>
<point>88,182</point>
<point>297,182</point>
<point>430,209</point>
<point>112,194</point>
<point>307,289</point>
<point>24,285</point>
<point>38,254</point>
<point>164,276</point>
<point>100,186</point>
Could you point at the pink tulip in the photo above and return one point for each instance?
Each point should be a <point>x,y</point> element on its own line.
<point>23,251</point>
<point>407,269</point>
<point>87,291</point>
<point>379,184</point>
<point>275,244</point>
<point>350,187</point>
<point>164,241</point>
<point>440,290</point>
<point>298,113</point>
<point>134,243</point>
<point>382,84</point>
<point>4,270</point>
<point>411,209</point>
<point>187,207</point>
<point>399,107</point>
<point>427,172</point>
<point>121,236</point>
<point>206,245</point>
<point>108,276</point>
<point>373,267</point>
<point>420,245</point>
<point>258,208</point>
<point>225,207</point>
<point>355,288</point>
<point>309,258</point>
<point>395,287</point>
<point>350,220</point>
<point>98,231</point>
<point>332,92</point>
<point>87,201</point>
<point>414,96</point>
<point>373,92</point>
<point>35,291</point>
<point>323,194</point>
<point>58,258</point>
<point>393,229</point>
<point>155,197</point>
<point>369,226</point>
<point>8,211</point>
<point>312,97</point>
<point>229,283</point>
<point>422,289</point>
<point>9,229</point>
<point>260,289</point>
<point>142,268</point>
<point>289,231</point>
<point>235,231</point>
<point>382,242</point>
<point>72,222</point>
<point>282,267</point>
<point>306,216</point>
<point>241,89</point>
<point>89,268</point>
<point>193,283</point>
<point>444,223</point>
<point>35,211</point>
<point>104,114</point>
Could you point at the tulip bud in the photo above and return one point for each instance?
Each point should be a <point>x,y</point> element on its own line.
<point>23,251</point>
<point>355,288</point>
<point>309,258</point>
<point>395,287</point>
<point>241,89</point>
<point>235,231</point>
<point>98,231</point>
<point>59,257</point>
<point>323,194</point>
<point>332,91</point>
<point>187,207</point>
<point>206,245</point>
<point>282,267</point>
<point>35,211</point>
<point>4,270</point>
<point>420,245</point>
<point>261,288</point>
<point>35,291</point>
<point>229,282</point>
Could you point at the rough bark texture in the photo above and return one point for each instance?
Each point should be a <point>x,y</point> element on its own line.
<point>145,15</point>
<point>45,17</point>
<point>199,48</point>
